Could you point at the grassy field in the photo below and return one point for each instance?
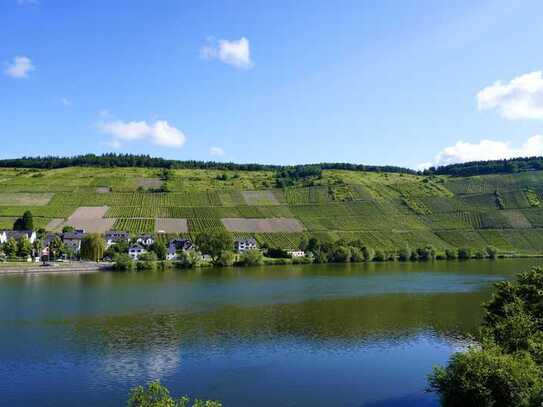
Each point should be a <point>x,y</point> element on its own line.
<point>384,210</point>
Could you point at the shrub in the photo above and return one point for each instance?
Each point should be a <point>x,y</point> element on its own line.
<point>147,261</point>
<point>491,252</point>
<point>379,256</point>
<point>404,254</point>
<point>252,258</point>
<point>156,395</point>
<point>368,253</point>
<point>226,258</point>
<point>357,255</point>
<point>341,254</point>
<point>488,378</point>
<point>451,254</point>
<point>189,259</point>
<point>123,262</point>
<point>464,253</point>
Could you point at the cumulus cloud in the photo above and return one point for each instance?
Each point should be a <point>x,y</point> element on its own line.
<point>19,67</point>
<point>216,152</point>
<point>159,133</point>
<point>235,52</point>
<point>485,150</point>
<point>521,98</point>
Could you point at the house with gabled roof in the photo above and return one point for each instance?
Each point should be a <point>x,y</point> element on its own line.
<point>116,236</point>
<point>178,245</point>
<point>136,250</point>
<point>73,239</point>
<point>145,240</point>
<point>242,245</point>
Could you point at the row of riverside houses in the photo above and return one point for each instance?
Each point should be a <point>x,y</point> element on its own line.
<point>140,245</point>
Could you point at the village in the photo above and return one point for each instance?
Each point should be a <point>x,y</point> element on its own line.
<point>39,246</point>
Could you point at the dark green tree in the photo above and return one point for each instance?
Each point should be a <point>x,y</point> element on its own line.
<point>92,247</point>
<point>214,244</point>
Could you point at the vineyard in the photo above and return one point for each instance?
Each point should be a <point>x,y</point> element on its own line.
<point>384,210</point>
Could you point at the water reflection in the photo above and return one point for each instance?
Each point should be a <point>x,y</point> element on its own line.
<point>325,335</point>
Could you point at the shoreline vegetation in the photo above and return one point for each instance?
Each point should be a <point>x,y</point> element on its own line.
<point>505,368</point>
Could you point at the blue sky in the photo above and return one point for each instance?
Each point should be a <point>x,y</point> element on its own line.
<point>379,82</point>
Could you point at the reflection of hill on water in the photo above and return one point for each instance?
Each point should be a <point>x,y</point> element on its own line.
<point>344,321</point>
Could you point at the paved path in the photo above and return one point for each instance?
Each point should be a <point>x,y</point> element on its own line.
<point>73,267</point>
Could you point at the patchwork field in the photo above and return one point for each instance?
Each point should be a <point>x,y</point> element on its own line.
<point>384,210</point>
<point>89,218</point>
<point>273,225</point>
<point>25,199</point>
<point>170,225</point>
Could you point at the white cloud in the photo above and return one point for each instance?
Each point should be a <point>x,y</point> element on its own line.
<point>485,150</point>
<point>235,52</point>
<point>216,152</point>
<point>159,133</point>
<point>19,67</point>
<point>521,98</point>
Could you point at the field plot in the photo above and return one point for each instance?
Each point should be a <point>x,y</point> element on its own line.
<point>274,225</point>
<point>90,218</point>
<point>263,198</point>
<point>149,182</point>
<point>171,225</point>
<point>55,224</point>
<point>516,219</point>
<point>25,199</point>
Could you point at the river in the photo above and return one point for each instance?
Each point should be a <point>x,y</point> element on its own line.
<point>312,335</point>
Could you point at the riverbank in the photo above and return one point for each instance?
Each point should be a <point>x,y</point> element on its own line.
<point>50,268</point>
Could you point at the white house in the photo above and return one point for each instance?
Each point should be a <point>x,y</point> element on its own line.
<point>296,253</point>
<point>177,245</point>
<point>5,235</point>
<point>242,245</point>
<point>73,239</point>
<point>145,240</point>
<point>136,250</point>
<point>116,236</point>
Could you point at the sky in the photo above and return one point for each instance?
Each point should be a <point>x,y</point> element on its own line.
<point>411,83</point>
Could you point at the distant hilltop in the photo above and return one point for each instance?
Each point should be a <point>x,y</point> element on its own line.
<point>112,160</point>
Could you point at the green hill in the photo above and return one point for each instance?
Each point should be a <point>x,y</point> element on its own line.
<point>387,210</point>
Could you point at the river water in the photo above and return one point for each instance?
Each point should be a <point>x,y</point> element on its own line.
<point>312,335</point>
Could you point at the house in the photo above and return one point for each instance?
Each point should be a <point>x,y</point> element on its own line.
<point>5,235</point>
<point>242,245</point>
<point>136,250</point>
<point>47,243</point>
<point>116,236</point>
<point>296,253</point>
<point>176,245</point>
<point>73,239</point>
<point>145,240</point>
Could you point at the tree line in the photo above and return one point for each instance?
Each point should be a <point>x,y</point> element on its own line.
<point>112,160</point>
<point>508,166</point>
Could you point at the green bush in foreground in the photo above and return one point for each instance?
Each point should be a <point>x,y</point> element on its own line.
<point>156,395</point>
<point>507,369</point>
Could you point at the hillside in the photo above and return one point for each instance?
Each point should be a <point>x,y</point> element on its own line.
<point>385,210</point>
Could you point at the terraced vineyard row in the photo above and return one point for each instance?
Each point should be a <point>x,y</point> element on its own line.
<point>135,225</point>
<point>200,212</point>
